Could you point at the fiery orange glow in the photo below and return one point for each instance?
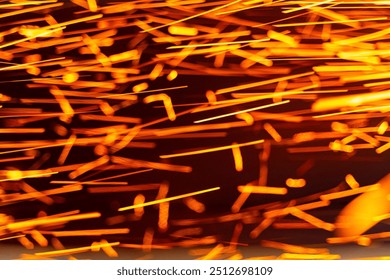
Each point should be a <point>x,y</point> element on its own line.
<point>119,120</point>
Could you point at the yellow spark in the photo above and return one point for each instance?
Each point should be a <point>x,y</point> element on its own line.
<point>75,21</point>
<point>382,128</point>
<point>217,44</point>
<point>262,190</point>
<point>342,194</point>
<point>39,34</point>
<point>194,16</point>
<point>290,41</point>
<point>366,109</point>
<point>261,83</point>
<point>303,207</point>
<point>70,77</point>
<point>250,7</point>
<point>197,152</point>
<point>12,237</point>
<point>362,38</point>
<point>244,111</point>
<point>156,71</point>
<point>214,253</point>
<point>290,256</point>
<point>148,164</point>
<point>65,252</point>
<point>28,224</point>
<point>32,9</point>
<point>327,23</point>
<point>182,30</point>
<point>21,130</point>
<point>172,75</point>
<point>154,202</point>
<point>87,232</point>
<point>124,56</point>
<point>295,183</point>
<point>16,175</point>
<point>92,5</point>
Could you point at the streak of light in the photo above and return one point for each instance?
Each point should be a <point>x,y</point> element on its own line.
<point>329,22</point>
<point>29,224</point>
<point>311,219</point>
<point>355,191</point>
<point>238,162</point>
<point>223,148</point>
<point>261,83</point>
<point>293,248</point>
<point>166,101</point>
<point>32,9</point>
<point>78,250</point>
<point>243,111</point>
<point>384,108</point>
<point>193,16</point>
<point>154,202</point>
<point>262,190</point>
<point>290,256</point>
<point>295,183</point>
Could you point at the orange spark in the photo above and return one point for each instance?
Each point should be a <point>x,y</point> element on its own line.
<point>238,162</point>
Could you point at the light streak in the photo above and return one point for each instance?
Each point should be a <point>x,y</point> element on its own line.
<point>154,202</point>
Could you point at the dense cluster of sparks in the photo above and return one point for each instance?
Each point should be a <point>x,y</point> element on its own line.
<point>102,101</point>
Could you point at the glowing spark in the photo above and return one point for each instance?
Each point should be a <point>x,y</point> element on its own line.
<point>213,149</point>
<point>194,16</point>
<point>244,111</point>
<point>166,101</point>
<point>262,190</point>
<point>154,202</point>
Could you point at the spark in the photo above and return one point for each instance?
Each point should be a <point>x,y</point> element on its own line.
<point>262,83</point>
<point>262,190</point>
<point>194,16</point>
<point>78,250</point>
<point>244,111</point>
<point>238,162</point>
<point>154,202</point>
<point>213,149</point>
